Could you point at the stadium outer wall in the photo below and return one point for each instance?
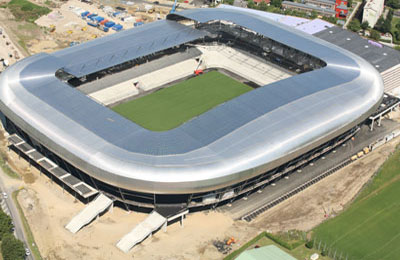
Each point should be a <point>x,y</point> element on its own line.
<point>360,75</point>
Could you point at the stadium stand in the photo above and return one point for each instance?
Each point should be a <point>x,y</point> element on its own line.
<point>241,64</point>
<point>136,71</point>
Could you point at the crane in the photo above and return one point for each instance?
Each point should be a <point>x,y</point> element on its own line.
<point>173,7</point>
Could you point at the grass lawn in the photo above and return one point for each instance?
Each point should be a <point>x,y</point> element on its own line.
<point>299,252</point>
<point>370,228</point>
<point>170,107</point>
<point>23,10</point>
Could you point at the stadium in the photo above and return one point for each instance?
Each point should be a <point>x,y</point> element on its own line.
<point>191,111</point>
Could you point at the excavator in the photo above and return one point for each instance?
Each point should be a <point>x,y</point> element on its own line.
<point>174,7</point>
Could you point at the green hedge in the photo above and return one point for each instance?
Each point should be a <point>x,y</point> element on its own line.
<point>285,244</point>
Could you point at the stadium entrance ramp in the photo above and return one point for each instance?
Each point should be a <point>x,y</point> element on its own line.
<point>157,218</point>
<point>142,230</point>
<point>92,210</point>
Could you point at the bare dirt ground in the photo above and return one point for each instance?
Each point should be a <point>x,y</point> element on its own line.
<point>8,50</point>
<point>48,209</point>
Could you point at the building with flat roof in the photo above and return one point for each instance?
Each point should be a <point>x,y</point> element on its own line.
<point>308,8</point>
<point>327,4</point>
<point>270,252</point>
<point>373,9</point>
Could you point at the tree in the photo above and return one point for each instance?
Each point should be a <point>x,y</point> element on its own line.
<point>364,25</point>
<point>375,35</point>
<point>314,14</point>
<point>251,4</point>
<point>12,248</point>
<point>398,26</point>
<point>276,3</point>
<point>310,244</point>
<point>395,4</point>
<point>349,3</point>
<point>387,26</point>
<point>354,25</point>
<point>263,6</point>
<point>5,224</point>
<point>397,35</point>
<point>379,23</point>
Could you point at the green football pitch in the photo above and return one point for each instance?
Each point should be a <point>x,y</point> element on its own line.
<point>370,228</point>
<point>170,107</point>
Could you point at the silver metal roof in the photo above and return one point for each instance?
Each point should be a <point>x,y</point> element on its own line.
<point>235,141</point>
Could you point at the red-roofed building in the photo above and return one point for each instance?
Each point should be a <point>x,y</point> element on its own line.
<point>341,9</point>
<point>257,2</point>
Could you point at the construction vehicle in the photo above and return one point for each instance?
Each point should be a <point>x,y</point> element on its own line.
<point>84,29</point>
<point>69,31</point>
<point>354,157</point>
<point>231,241</point>
<point>52,28</point>
<point>360,154</point>
<point>174,7</point>
<point>366,150</point>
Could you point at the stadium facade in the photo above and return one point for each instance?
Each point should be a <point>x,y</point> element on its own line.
<point>213,157</point>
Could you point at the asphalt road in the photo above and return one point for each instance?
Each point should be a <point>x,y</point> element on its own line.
<point>19,229</point>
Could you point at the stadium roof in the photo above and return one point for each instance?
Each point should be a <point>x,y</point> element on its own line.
<point>237,140</point>
<point>124,46</point>
<point>379,55</point>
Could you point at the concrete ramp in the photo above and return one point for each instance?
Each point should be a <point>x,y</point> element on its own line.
<point>142,230</point>
<point>92,210</point>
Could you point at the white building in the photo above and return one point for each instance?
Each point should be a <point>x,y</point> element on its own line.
<point>373,9</point>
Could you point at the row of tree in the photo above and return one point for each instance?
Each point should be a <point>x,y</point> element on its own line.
<point>11,248</point>
<point>395,4</point>
<point>385,25</point>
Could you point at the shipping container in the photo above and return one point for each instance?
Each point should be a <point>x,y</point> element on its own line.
<point>98,19</point>
<point>103,22</point>
<point>86,13</point>
<point>117,27</point>
<point>92,24</point>
<point>109,24</point>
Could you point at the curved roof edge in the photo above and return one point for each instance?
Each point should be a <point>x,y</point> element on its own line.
<point>235,141</point>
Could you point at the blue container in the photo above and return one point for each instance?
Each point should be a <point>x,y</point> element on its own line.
<point>98,18</point>
<point>92,24</point>
<point>84,14</point>
<point>117,27</point>
<point>91,15</point>
<point>109,24</point>
<point>138,24</point>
